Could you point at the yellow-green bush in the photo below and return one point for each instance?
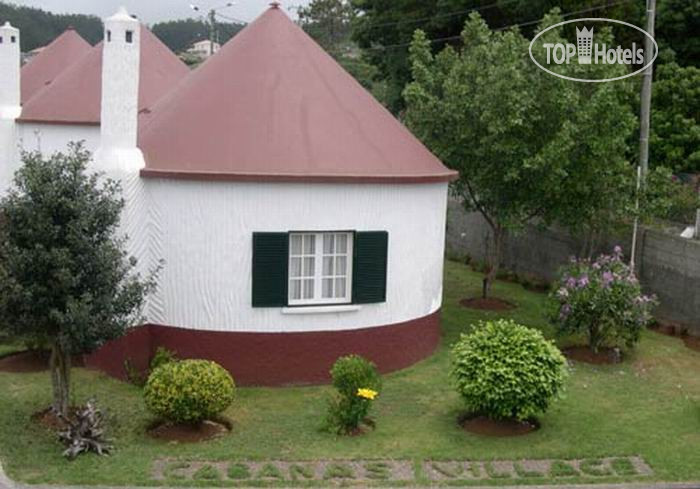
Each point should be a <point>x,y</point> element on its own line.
<point>189,391</point>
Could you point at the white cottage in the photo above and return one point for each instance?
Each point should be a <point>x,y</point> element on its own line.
<point>298,219</point>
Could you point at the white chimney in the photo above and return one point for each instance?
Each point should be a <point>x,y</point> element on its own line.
<point>10,107</point>
<point>121,53</point>
<point>9,72</point>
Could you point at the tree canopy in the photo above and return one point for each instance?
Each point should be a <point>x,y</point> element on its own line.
<point>67,281</point>
<point>527,145</point>
<point>39,27</point>
<point>179,35</point>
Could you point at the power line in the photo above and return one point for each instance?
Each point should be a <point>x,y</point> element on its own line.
<point>522,24</point>
<point>447,14</point>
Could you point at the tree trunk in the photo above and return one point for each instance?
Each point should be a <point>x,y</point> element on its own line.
<point>60,378</point>
<point>493,260</point>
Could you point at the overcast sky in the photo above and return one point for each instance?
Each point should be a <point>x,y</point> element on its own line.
<point>152,11</point>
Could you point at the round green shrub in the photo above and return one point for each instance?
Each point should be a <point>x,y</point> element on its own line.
<point>504,370</point>
<point>189,391</point>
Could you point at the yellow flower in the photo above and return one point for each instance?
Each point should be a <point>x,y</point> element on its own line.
<point>367,393</point>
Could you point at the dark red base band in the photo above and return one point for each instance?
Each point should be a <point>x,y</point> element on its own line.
<point>274,359</point>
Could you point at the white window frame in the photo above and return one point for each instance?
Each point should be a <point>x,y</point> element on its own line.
<point>318,270</point>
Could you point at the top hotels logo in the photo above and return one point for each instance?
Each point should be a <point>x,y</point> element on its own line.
<point>585,51</point>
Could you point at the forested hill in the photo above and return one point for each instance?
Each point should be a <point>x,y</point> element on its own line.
<point>40,27</point>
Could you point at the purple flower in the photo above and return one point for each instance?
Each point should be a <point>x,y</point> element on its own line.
<point>583,281</point>
<point>570,282</point>
<point>607,278</point>
<point>617,250</point>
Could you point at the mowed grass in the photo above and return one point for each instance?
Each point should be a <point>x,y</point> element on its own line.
<point>648,406</point>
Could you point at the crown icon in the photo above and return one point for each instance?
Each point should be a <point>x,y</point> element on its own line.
<point>584,45</point>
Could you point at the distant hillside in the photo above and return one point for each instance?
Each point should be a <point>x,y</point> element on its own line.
<point>39,27</point>
<point>179,35</point>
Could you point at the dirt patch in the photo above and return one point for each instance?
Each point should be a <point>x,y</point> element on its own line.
<point>25,362</point>
<point>186,433</point>
<point>691,342</point>
<point>677,331</point>
<point>48,418</point>
<point>31,361</point>
<point>487,304</point>
<point>481,425</point>
<point>604,356</point>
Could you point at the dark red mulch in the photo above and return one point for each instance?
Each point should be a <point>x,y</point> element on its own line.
<point>678,331</point>
<point>481,425</point>
<point>48,419</point>
<point>582,353</point>
<point>187,433</point>
<point>31,361</point>
<point>487,304</point>
<point>25,362</point>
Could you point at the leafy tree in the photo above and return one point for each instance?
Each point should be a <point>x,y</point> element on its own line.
<point>677,27</point>
<point>527,145</point>
<point>39,27</point>
<point>179,35</point>
<point>384,29</point>
<point>68,281</point>
<point>328,22</point>
<point>675,118</point>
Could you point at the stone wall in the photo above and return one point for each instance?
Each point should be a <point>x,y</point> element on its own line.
<point>668,266</point>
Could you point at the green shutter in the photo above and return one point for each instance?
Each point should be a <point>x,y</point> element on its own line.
<point>369,267</point>
<point>270,264</point>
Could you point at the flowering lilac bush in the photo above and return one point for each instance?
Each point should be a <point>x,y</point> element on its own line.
<point>603,300</point>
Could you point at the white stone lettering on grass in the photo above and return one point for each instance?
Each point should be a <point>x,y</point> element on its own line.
<point>343,472</point>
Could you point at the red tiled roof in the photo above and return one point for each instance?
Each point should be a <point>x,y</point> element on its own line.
<point>74,97</point>
<point>272,105</point>
<point>43,68</point>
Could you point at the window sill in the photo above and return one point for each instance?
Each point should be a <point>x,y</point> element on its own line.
<point>320,309</point>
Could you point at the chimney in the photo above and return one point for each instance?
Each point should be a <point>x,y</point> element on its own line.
<point>10,107</point>
<point>121,52</point>
<point>9,72</point>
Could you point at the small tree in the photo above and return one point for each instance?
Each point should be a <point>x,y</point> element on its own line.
<point>527,145</point>
<point>67,280</point>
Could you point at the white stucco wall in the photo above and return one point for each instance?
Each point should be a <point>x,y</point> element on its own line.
<point>49,138</point>
<point>203,231</point>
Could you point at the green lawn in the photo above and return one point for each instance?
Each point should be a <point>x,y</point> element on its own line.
<point>648,406</point>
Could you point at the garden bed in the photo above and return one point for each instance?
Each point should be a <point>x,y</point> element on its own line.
<point>642,411</point>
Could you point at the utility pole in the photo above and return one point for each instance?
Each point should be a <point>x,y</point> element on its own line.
<point>646,91</point>
<point>211,20</point>
<point>644,117</point>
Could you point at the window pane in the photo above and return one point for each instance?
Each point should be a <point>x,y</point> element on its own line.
<point>309,244</point>
<point>327,288</point>
<point>309,266</point>
<point>341,264</point>
<point>295,244</point>
<point>328,245</point>
<point>308,289</point>
<point>341,244</point>
<point>295,267</point>
<point>295,290</point>
<point>327,265</point>
<point>340,287</point>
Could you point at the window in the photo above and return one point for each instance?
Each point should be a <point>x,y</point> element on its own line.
<point>109,36</point>
<point>129,37</point>
<point>13,39</point>
<point>320,268</point>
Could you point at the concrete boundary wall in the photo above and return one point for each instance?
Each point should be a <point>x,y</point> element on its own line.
<point>668,266</point>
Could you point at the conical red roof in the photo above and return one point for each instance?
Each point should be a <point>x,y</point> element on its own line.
<point>272,105</point>
<point>75,95</point>
<point>43,68</point>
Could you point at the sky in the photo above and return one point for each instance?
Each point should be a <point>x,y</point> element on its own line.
<point>152,11</point>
